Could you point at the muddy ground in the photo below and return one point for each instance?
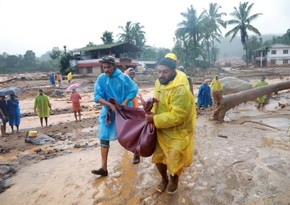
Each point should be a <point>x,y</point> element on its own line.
<point>245,160</point>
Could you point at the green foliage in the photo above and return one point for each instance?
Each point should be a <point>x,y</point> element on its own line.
<point>133,33</point>
<point>242,21</point>
<point>64,63</point>
<point>107,37</point>
<point>253,44</point>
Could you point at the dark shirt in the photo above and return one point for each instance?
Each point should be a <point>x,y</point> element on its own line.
<point>3,107</point>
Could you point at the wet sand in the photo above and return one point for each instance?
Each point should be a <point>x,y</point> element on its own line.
<point>245,160</point>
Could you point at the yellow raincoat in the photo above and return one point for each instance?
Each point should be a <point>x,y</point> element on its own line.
<point>69,76</point>
<point>174,118</point>
<point>216,85</point>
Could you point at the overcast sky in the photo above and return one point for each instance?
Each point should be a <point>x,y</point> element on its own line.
<point>40,25</point>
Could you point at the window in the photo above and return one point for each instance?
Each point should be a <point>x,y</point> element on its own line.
<point>285,51</point>
<point>285,61</point>
<point>273,62</point>
<point>273,51</point>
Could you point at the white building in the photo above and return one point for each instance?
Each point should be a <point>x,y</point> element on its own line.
<point>274,55</point>
<point>278,54</point>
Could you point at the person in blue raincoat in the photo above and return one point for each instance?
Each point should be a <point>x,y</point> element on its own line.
<point>204,95</point>
<point>52,79</point>
<point>13,111</point>
<point>113,83</point>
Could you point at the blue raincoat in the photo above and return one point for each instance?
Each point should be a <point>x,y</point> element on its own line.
<point>13,111</point>
<point>118,86</point>
<point>204,96</point>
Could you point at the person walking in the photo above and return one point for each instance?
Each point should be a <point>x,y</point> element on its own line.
<point>174,117</point>
<point>3,115</point>
<point>262,99</point>
<point>111,84</point>
<point>131,73</point>
<point>181,68</point>
<point>217,91</point>
<point>69,77</point>
<point>51,79</point>
<point>76,105</point>
<point>204,96</point>
<point>13,110</point>
<point>42,107</point>
<point>59,79</point>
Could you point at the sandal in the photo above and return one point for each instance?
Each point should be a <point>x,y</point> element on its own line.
<point>101,172</point>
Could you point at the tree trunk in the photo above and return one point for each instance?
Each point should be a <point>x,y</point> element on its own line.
<point>231,101</point>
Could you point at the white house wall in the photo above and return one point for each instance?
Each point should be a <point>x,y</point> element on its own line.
<point>279,58</point>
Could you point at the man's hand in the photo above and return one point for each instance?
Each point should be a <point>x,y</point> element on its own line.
<point>125,102</point>
<point>149,118</point>
<point>112,107</point>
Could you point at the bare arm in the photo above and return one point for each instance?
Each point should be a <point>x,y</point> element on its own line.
<point>110,105</point>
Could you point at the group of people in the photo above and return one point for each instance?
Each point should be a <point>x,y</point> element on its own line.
<point>57,77</point>
<point>9,112</point>
<point>173,116</point>
<point>206,92</point>
<point>42,106</point>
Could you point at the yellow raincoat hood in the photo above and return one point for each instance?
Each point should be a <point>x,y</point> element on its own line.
<point>175,116</point>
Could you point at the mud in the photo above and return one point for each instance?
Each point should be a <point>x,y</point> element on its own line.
<point>245,160</point>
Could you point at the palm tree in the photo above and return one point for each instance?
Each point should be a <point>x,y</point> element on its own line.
<point>127,35</point>
<point>242,20</point>
<point>107,37</point>
<point>211,22</point>
<point>139,35</point>
<point>189,30</point>
<point>133,33</point>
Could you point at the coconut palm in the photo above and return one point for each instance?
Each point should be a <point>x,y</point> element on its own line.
<point>211,22</point>
<point>242,20</point>
<point>189,30</point>
<point>107,37</point>
<point>133,33</point>
<point>139,35</point>
<point>127,35</point>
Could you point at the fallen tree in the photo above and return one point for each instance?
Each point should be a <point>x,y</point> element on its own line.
<point>231,101</point>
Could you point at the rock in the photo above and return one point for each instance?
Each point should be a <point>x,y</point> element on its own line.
<point>41,139</point>
<point>234,85</point>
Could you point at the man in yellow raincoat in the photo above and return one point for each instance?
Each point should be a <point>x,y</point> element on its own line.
<point>174,117</point>
<point>262,99</point>
<point>217,91</point>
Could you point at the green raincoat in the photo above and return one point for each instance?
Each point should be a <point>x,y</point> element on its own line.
<point>42,105</point>
<point>174,118</point>
<point>263,98</point>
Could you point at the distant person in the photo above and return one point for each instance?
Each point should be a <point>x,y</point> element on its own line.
<point>204,96</point>
<point>110,84</point>
<point>174,117</point>
<point>217,91</point>
<point>76,105</point>
<point>59,79</point>
<point>131,73</point>
<point>262,99</point>
<point>3,115</point>
<point>51,79</point>
<point>69,77</point>
<point>13,110</point>
<point>181,68</point>
<point>42,107</point>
